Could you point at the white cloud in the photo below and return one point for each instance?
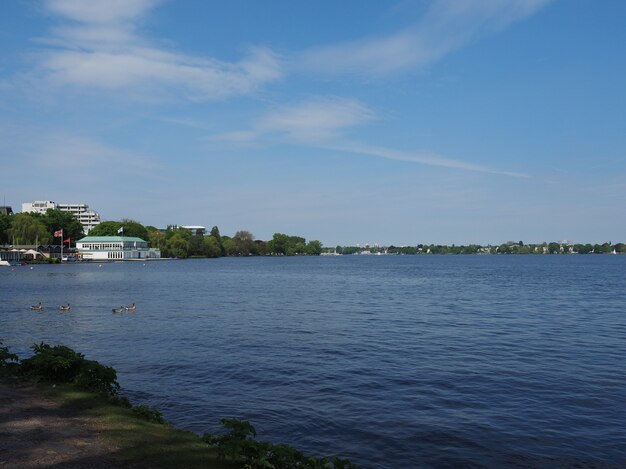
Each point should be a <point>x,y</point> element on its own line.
<point>98,48</point>
<point>321,123</point>
<point>446,25</point>
<point>430,159</point>
<point>100,12</point>
<point>317,119</point>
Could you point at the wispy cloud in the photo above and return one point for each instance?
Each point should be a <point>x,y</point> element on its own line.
<point>446,26</point>
<point>323,123</point>
<point>426,158</point>
<point>317,119</point>
<point>98,47</point>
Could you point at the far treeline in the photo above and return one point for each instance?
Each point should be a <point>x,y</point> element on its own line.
<point>506,248</point>
<point>180,242</point>
<point>38,229</point>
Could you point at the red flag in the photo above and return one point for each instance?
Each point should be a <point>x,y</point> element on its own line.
<point>58,234</point>
<point>66,240</point>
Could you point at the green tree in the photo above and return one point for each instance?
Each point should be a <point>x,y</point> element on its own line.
<point>27,229</point>
<point>313,248</point>
<point>176,246</point>
<point>154,237</point>
<point>229,247</point>
<point>279,244</point>
<point>135,229</point>
<point>554,248</point>
<point>504,249</point>
<point>262,248</point>
<point>5,226</point>
<point>215,232</point>
<point>55,220</point>
<point>296,248</point>
<point>211,247</point>
<point>244,242</point>
<point>130,228</point>
<point>197,246</point>
<point>106,228</point>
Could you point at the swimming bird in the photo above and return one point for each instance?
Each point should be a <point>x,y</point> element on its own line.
<point>64,307</point>
<point>37,307</point>
<point>131,308</point>
<point>118,310</point>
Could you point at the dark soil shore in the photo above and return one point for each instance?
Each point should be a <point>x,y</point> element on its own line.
<point>36,432</point>
<point>64,427</point>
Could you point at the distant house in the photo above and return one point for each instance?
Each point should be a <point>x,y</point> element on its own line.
<point>109,248</point>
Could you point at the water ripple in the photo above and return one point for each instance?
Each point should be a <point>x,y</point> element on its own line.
<point>393,362</point>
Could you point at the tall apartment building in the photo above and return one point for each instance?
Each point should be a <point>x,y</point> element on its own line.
<point>87,218</point>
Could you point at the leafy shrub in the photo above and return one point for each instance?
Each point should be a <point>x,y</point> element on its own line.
<point>58,363</point>
<point>61,364</point>
<point>96,377</point>
<point>8,361</point>
<point>148,413</point>
<point>239,445</point>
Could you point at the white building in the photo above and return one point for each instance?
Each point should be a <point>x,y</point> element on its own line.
<point>195,229</point>
<point>107,248</point>
<point>87,218</point>
<point>39,206</point>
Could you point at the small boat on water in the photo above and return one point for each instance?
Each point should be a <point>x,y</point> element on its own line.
<point>38,307</point>
<point>118,310</point>
<point>64,307</point>
<point>5,263</point>
<point>131,308</point>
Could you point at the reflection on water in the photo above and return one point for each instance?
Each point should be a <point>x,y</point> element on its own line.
<point>392,361</point>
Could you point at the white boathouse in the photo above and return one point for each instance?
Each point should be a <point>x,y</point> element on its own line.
<point>110,248</point>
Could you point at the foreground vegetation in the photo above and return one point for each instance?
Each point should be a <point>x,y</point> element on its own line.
<point>140,433</point>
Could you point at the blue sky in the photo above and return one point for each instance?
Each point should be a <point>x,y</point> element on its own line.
<point>349,122</point>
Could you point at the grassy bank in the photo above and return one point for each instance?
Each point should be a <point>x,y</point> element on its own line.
<point>138,436</point>
<point>135,441</point>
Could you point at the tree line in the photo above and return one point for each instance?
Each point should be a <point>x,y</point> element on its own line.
<point>180,242</point>
<point>505,248</point>
<point>175,241</point>
<point>39,228</point>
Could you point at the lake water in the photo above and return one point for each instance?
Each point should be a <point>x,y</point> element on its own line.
<point>390,361</point>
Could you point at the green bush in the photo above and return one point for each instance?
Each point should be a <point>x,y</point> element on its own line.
<point>61,364</point>
<point>96,377</point>
<point>148,413</point>
<point>239,445</point>
<point>9,362</point>
<point>57,364</point>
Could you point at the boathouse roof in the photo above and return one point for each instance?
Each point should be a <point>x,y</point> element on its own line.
<point>109,239</point>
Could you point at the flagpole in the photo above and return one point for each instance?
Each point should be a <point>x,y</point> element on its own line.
<point>61,245</point>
